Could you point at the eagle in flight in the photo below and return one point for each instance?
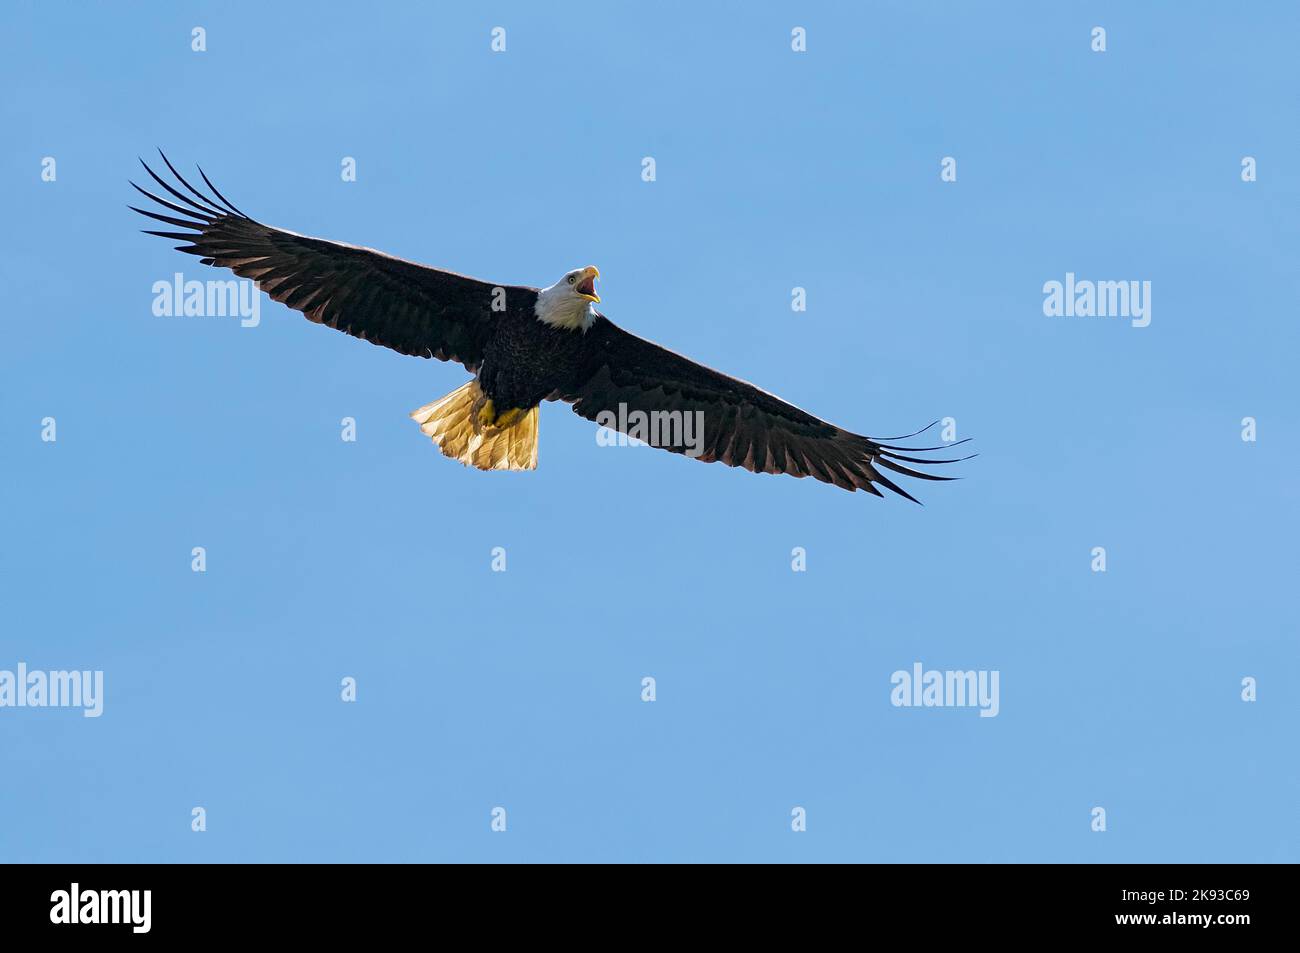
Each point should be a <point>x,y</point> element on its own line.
<point>525,345</point>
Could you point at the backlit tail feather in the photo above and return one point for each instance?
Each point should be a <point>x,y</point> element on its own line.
<point>456,424</point>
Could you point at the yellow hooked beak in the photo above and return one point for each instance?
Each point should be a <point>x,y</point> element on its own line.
<point>586,284</point>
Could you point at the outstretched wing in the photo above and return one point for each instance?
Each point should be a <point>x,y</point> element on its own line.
<point>399,304</point>
<point>742,426</point>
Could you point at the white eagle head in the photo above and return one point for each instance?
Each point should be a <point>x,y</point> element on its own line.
<point>567,303</point>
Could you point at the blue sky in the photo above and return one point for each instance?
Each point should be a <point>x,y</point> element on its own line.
<point>479,689</point>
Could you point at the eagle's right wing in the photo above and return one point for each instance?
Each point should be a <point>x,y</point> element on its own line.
<point>411,308</point>
<point>740,424</point>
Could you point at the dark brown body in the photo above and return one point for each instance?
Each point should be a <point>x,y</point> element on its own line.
<point>526,361</point>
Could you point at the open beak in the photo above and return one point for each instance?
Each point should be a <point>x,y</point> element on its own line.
<point>586,286</point>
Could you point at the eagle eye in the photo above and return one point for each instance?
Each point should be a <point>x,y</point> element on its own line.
<point>572,279</point>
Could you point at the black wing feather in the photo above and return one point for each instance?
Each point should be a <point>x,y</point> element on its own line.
<point>399,304</point>
<point>743,425</point>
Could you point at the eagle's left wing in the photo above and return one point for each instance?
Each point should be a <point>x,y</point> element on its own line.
<point>743,426</point>
<point>403,305</point>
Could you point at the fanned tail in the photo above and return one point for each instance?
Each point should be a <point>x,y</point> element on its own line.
<point>456,423</point>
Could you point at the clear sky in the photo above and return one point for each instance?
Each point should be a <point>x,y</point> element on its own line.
<point>522,689</point>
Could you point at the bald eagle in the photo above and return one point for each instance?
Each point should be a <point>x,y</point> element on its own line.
<point>524,346</point>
